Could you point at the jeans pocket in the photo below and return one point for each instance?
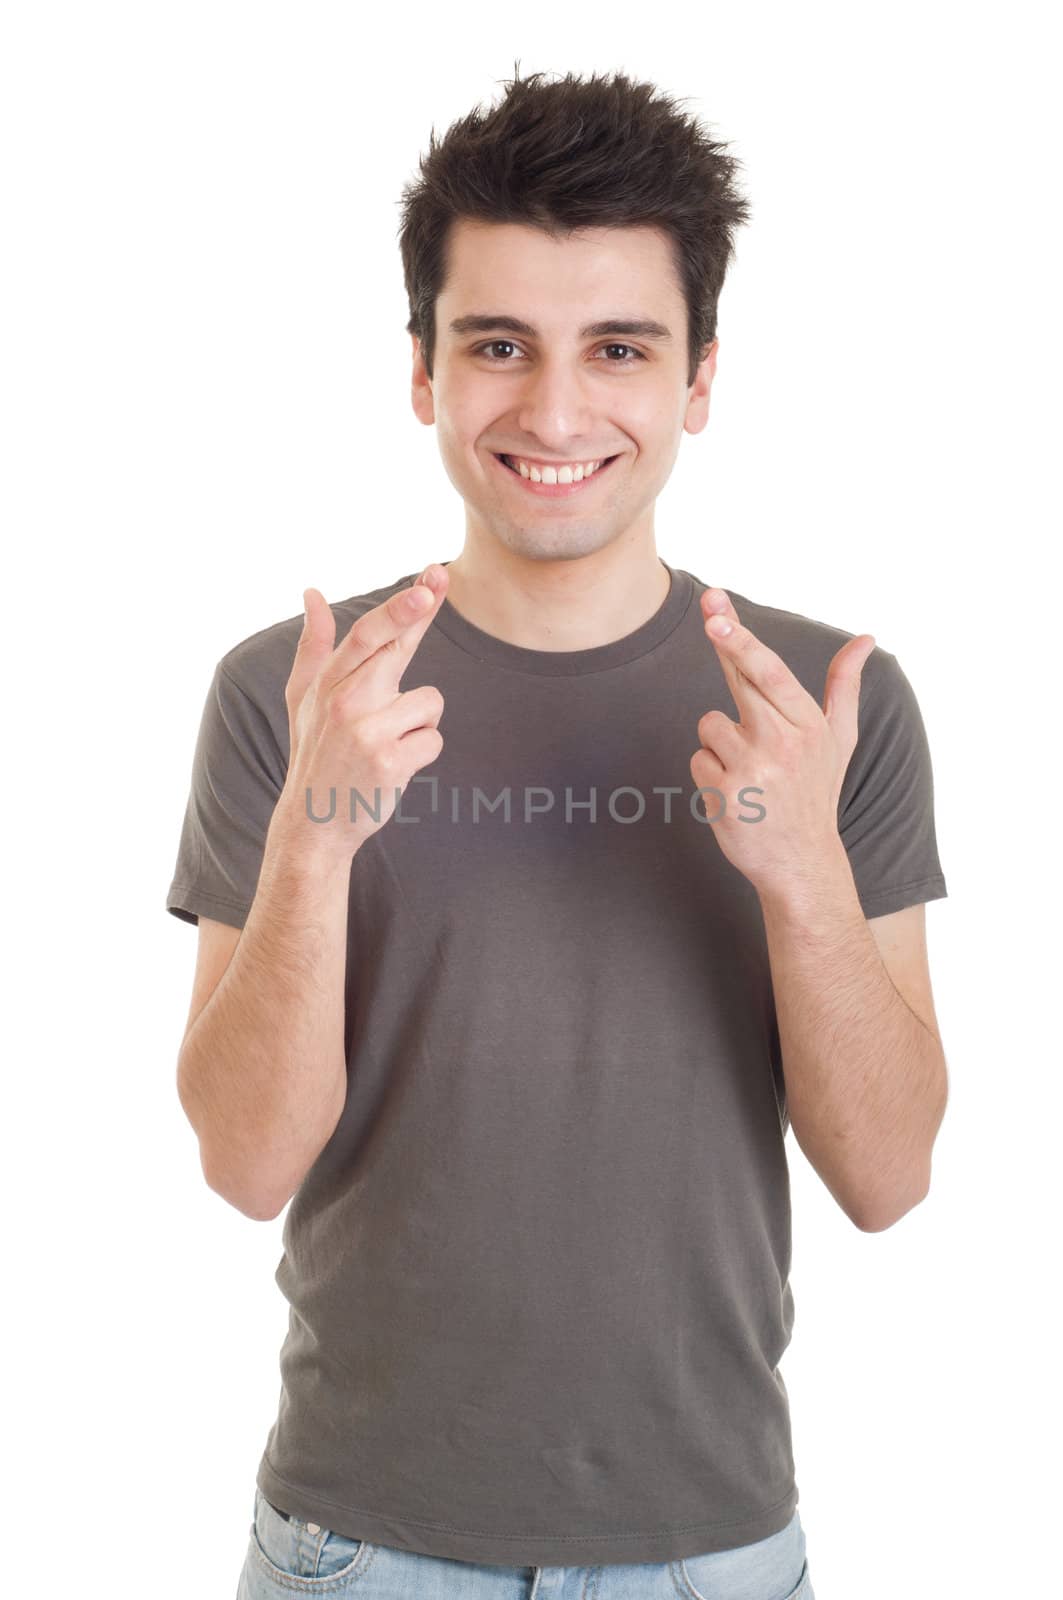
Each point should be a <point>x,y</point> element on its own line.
<point>764,1570</point>
<point>804,1586</point>
<point>302,1557</point>
<point>714,1586</point>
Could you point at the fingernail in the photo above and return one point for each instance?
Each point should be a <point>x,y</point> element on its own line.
<point>420,599</point>
<point>719,626</point>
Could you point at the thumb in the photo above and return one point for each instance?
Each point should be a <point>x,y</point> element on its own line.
<point>841,697</point>
<point>315,645</point>
<point>318,638</point>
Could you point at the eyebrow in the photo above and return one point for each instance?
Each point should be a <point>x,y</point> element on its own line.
<point>631,327</point>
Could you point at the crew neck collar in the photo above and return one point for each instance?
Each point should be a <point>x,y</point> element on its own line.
<point>570,663</point>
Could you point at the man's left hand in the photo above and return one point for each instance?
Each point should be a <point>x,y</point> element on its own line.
<point>784,746</point>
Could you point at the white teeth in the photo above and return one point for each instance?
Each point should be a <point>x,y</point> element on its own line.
<point>565,474</point>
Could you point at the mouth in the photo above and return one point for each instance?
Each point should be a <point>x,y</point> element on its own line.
<point>553,491</point>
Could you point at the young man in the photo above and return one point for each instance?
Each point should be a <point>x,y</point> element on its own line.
<point>557,910</point>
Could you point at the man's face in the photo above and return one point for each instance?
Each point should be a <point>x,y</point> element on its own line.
<point>559,393</point>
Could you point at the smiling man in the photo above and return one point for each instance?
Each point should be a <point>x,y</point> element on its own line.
<point>535,906</point>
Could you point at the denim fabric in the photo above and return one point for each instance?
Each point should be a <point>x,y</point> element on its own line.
<point>287,1556</point>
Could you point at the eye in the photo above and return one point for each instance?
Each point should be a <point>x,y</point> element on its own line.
<point>636,353</point>
<point>502,361</point>
<point>491,344</point>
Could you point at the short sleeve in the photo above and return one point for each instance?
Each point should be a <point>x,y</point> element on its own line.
<point>238,773</point>
<point>886,807</point>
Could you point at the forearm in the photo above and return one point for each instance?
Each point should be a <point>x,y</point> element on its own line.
<point>262,1072</point>
<point>865,1079</point>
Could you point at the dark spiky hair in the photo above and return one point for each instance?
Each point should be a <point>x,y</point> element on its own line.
<point>601,152</point>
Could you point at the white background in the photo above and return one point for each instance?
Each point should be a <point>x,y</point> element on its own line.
<point>205,391</point>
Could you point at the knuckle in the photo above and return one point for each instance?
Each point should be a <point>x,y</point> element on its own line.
<point>360,738</point>
<point>337,710</point>
<point>386,762</point>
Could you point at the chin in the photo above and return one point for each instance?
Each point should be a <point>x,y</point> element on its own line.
<point>545,544</point>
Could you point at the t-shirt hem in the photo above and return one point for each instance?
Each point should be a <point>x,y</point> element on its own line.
<point>187,902</point>
<point>570,1550</point>
<point>880,902</point>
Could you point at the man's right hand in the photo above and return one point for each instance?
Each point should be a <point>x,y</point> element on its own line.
<point>350,726</point>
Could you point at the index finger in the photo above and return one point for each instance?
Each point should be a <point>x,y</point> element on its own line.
<point>762,677</point>
<point>391,631</point>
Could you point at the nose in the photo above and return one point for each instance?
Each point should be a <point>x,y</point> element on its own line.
<point>556,408</point>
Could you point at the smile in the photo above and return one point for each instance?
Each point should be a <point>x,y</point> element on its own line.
<point>552,491</point>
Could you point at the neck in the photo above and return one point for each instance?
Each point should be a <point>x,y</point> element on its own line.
<point>544,604</point>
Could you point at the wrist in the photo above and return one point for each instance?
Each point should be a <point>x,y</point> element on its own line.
<point>305,850</point>
<point>823,880</point>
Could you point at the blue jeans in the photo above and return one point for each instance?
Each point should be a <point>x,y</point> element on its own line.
<point>286,1557</point>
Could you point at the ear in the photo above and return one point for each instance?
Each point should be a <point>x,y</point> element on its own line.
<point>697,413</point>
<point>421,396</point>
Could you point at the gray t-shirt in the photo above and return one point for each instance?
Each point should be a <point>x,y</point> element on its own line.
<point>538,1278</point>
